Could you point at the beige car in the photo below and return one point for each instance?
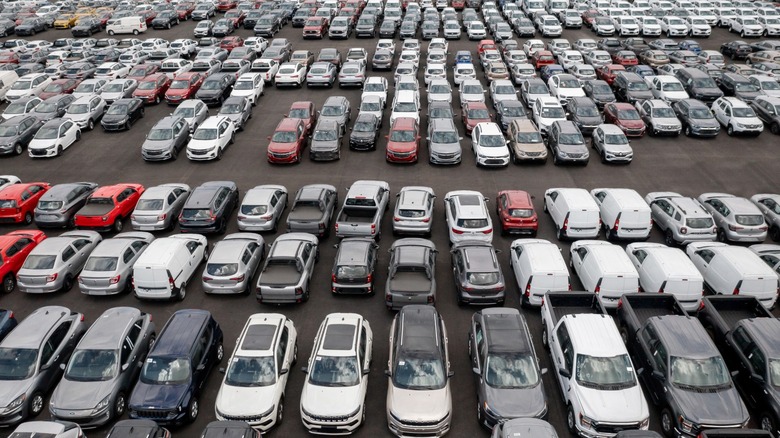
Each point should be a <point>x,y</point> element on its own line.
<point>525,141</point>
<point>496,70</point>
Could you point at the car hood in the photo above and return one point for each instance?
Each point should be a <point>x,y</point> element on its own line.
<point>178,91</point>
<point>498,152</point>
<point>422,406</point>
<point>282,147</point>
<point>704,123</point>
<point>640,95</point>
<point>114,118</point>
<point>242,401</point>
<point>666,121</point>
<point>445,147</point>
<point>631,124</point>
<point>331,401</point>
<point>202,145</point>
<point>11,389</point>
<point>721,407</point>
<point>156,145</point>
<point>748,120</point>
<point>324,145</point>
<point>207,93</point>
<point>595,120</point>
<point>362,135</point>
<point>139,92</point>
<point>80,395</point>
<point>573,148</point>
<point>621,406</point>
<point>516,403</point>
<point>157,396</point>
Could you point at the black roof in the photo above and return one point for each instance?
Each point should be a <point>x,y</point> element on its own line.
<point>419,328</point>
<point>180,332</point>
<point>259,337</point>
<point>506,332</point>
<point>339,337</point>
<point>228,429</point>
<point>765,332</point>
<point>684,336</point>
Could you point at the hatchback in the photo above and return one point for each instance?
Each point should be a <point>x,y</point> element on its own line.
<point>478,277</point>
<point>232,264</point>
<point>208,207</point>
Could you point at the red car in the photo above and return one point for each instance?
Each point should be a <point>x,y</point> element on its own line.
<point>148,15</point>
<point>107,206</point>
<point>287,143</point>
<point>515,209</point>
<point>458,4</point>
<point>609,72</point>
<point>59,86</point>
<point>184,10</point>
<point>403,142</point>
<point>104,17</point>
<point>625,58</point>
<point>486,45</point>
<point>474,113</point>
<point>306,112</point>
<point>139,72</point>
<point>540,58</point>
<point>152,88</point>
<point>14,248</point>
<point>625,117</point>
<point>589,16</point>
<point>183,87</point>
<point>315,27</point>
<point>231,42</point>
<point>236,16</point>
<point>9,58</point>
<point>18,201</point>
<point>226,5</point>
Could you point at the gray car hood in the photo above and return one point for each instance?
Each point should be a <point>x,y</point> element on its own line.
<point>80,395</point>
<point>157,145</point>
<point>445,147</point>
<point>721,407</point>
<point>321,145</point>
<point>11,389</point>
<point>516,403</point>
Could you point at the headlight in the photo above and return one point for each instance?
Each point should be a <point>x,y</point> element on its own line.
<point>16,403</point>
<point>739,125</point>
<point>586,422</point>
<point>686,425</point>
<point>103,404</point>
<point>491,412</point>
<point>645,423</point>
<point>562,154</point>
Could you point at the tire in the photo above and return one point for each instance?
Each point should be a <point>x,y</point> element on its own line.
<point>18,149</point>
<point>135,32</point>
<point>128,125</point>
<point>610,234</point>
<point>280,410</point>
<point>544,206</point>
<point>36,404</point>
<point>688,132</point>
<point>667,423</point>
<point>169,25</point>
<point>118,225</point>
<point>192,410</point>
<point>774,234</point>
<point>669,238</point>
<point>722,235</point>
<point>775,128</point>
<point>28,218</point>
<point>157,100</point>
<point>742,34</point>
<point>120,404</point>
<point>59,150</point>
<point>219,154</point>
<point>111,32</point>
<point>730,130</point>
<point>545,342</point>
<point>9,283</point>
<point>67,284</point>
<point>766,422</point>
<point>571,421</point>
<point>90,125</point>
<point>182,292</point>
<point>220,352</point>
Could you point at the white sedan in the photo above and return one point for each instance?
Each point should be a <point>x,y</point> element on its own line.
<point>53,138</point>
<point>112,70</point>
<point>211,139</point>
<point>249,85</point>
<point>290,74</point>
<point>53,429</point>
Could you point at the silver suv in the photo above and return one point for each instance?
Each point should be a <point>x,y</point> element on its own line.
<point>443,142</point>
<point>682,219</point>
<point>737,219</point>
<point>336,108</point>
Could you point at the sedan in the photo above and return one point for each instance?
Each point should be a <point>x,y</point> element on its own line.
<point>20,107</point>
<point>152,88</point>
<point>59,86</point>
<point>193,111</point>
<point>122,114</point>
<point>232,264</point>
<point>321,74</point>
<point>109,268</point>
<point>237,109</point>
<point>58,206</point>
<point>159,207</point>
<point>262,208</point>
<point>53,138</point>
<point>16,133</point>
<point>54,264</point>
<point>119,89</point>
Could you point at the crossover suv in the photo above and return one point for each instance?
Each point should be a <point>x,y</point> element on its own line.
<point>737,219</point>
<point>680,218</point>
<point>467,216</point>
<point>209,206</point>
<point>478,277</point>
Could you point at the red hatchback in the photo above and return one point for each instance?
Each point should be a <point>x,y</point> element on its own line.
<point>305,112</point>
<point>625,117</point>
<point>183,87</point>
<point>609,72</point>
<point>231,42</point>
<point>18,202</point>
<point>474,113</point>
<point>515,209</point>
<point>107,206</point>
<point>287,143</point>
<point>59,86</point>
<point>625,58</point>
<point>152,88</point>
<point>540,58</point>
<point>403,141</point>
<point>14,248</point>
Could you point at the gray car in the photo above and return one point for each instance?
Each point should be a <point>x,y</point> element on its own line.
<point>413,212</point>
<point>353,268</point>
<point>566,143</point>
<point>102,370</point>
<point>443,142</point>
<point>232,264</point>
<point>505,367</point>
<point>682,220</point>
<point>364,133</point>
<point>352,74</point>
<point>326,141</point>
<point>109,267</point>
<point>321,74</point>
<point>86,111</point>
<point>659,117</point>
<point>31,357</point>
<point>599,91</point>
<point>238,109</point>
<point>696,118</point>
<point>158,207</point>
<point>340,27</point>
<point>478,277</point>
<point>411,277</point>
<point>382,60</point>
<point>737,219</point>
<point>537,429</point>
<point>118,89</point>
<point>21,107</point>
<point>17,132</point>
<point>262,208</point>
<point>53,107</point>
<point>336,108</point>
<point>166,139</point>
<point>54,264</point>
<point>58,206</point>
<point>193,111</point>
<point>584,113</point>
<point>509,110</point>
<point>769,204</point>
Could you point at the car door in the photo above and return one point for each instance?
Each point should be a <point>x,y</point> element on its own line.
<point>702,258</point>
<point>562,352</point>
<point>663,212</point>
<point>476,344</point>
<point>578,258</point>
<point>195,250</point>
<point>68,132</point>
<point>201,358</point>
<point>54,352</point>
<point>653,357</point>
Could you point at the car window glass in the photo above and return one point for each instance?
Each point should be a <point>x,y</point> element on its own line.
<point>306,252</point>
<point>128,255</point>
<point>68,253</point>
<point>757,360</point>
<point>171,198</point>
<point>362,347</point>
<point>281,349</point>
<point>54,341</point>
<point>706,255</point>
<point>640,255</point>
<point>246,257</point>
<point>192,246</point>
<point>677,216</point>
<point>566,347</point>
<point>80,243</point>
<point>582,252</point>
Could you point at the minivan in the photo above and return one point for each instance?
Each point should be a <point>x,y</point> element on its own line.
<point>166,267</point>
<point>134,25</point>
<point>699,85</point>
<point>624,213</point>
<point>604,269</point>
<point>539,268</point>
<point>574,213</point>
<point>663,269</point>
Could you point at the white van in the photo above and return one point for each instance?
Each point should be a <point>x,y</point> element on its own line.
<point>164,269</point>
<point>734,270</point>
<point>574,212</point>
<point>604,269</point>
<point>7,78</point>
<point>133,25</point>
<point>665,269</point>
<point>539,268</point>
<point>624,213</point>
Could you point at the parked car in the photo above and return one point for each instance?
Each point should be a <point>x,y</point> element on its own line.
<point>262,208</point>
<point>122,114</point>
<point>18,201</point>
<point>108,270</point>
<point>53,138</point>
<point>208,207</point>
<point>232,263</point>
<point>17,132</point>
<point>108,206</point>
<point>14,248</point>
<point>737,219</point>
<point>159,207</point>
<point>211,138</point>
<point>286,274</point>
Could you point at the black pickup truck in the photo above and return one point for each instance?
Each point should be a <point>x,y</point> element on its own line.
<point>747,335</point>
<point>741,433</point>
<point>680,366</point>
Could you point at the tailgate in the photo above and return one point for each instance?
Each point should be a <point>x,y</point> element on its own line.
<point>583,219</point>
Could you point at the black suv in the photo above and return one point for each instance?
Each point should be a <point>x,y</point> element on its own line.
<point>353,269</point>
<point>177,368</point>
<point>584,113</point>
<point>630,87</point>
<point>478,277</point>
<point>138,429</point>
<point>209,207</point>
<point>734,84</point>
<point>216,88</point>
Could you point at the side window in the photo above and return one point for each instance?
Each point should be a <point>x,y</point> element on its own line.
<point>566,347</point>
<point>757,360</point>
<point>68,253</point>
<point>553,196</point>
<point>741,340</point>
<point>80,243</point>
<point>677,216</point>
<point>706,255</point>
<point>459,262</point>
<point>54,341</point>
<point>171,198</point>
<point>362,347</point>
<point>640,255</point>
<point>582,252</point>
<point>601,195</point>
<point>137,245</point>
<point>128,255</point>
<point>282,347</point>
<point>192,246</point>
<point>202,347</point>
<point>246,257</point>
<point>479,336</point>
<point>306,251</point>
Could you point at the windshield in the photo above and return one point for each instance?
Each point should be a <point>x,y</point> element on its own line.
<point>21,85</point>
<point>482,278</point>
<point>39,261</point>
<point>8,130</point>
<point>19,108</point>
<point>744,112</point>
<point>117,110</point>
<point>211,85</point>
<point>401,135</point>
<point>251,371</point>
<point>334,371</point>
<point>663,113</point>
<point>299,113</point>
<point>17,363</point>
<point>491,141</point>
<point>529,137</point>
<point>254,210</point>
<point>221,269</point>
<point>511,370</point>
<point>46,107</point>
<point>704,222</point>
<point>347,271</point>
<point>363,126</point>
<point>114,87</point>
<point>704,83</point>
<point>445,137</point>
<point>553,113</point>
<point>147,85</point>
<point>325,135</point>
<point>597,372</point>
<point>628,114</point>
<point>745,86</point>
<point>711,371</point>
<point>47,133</point>
<point>244,85</point>
<point>284,137</point>
<point>180,85</point>
<point>371,106</point>
<point>332,110</point>
<point>232,108</point>
<point>615,139</point>
<point>478,114</point>
<point>101,264</point>
<point>638,86</point>
<point>205,134</point>
<point>92,365</point>
<point>160,134</point>
<point>700,113</point>
<point>405,107</point>
<point>419,371</point>
<point>78,108</point>
<point>574,138</point>
<point>587,111</point>
<point>165,370</point>
<point>184,112</point>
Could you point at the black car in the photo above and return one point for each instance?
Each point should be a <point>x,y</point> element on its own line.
<point>31,26</point>
<point>7,27</point>
<point>364,134</point>
<point>86,26</point>
<point>16,133</point>
<point>508,110</point>
<point>599,91</point>
<point>267,25</point>
<point>7,322</point>
<point>696,118</point>
<point>611,45</point>
<point>478,277</point>
<point>177,368</point>
<point>251,19</point>
<point>208,208</point>
<point>353,268</point>
<point>734,84</point>
<point>229,429</point>
<point>636,45</point>
<point>736,49</point>
<point>388,28</point>
<point>165,19</point>
<point>138,429</point>
<point>584,113</point>
<point>767,109</point>
<point>216,88</point>
<point>29,68</point>
<point>122,114</point>
<point>382,60</point>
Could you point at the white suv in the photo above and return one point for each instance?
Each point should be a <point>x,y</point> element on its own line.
<point>210,140</point>
<point>489,145</point>
<point>736,116</point>
<point>256,376</point>
<point>546,111</point>
<point>334,395</point>
<point>467,216</point>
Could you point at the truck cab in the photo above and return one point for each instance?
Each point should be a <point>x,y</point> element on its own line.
<point>361,214</point>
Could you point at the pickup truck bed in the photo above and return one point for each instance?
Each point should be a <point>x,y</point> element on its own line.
<point>410,282</point>
<point>569,303</point>
<point>724,312</point>
<point>280,275</point>
<point>357,215</point>
<point>304,213</point>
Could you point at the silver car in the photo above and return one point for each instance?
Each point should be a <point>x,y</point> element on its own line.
<point>21,107</point>
<point>682,219</point>
<point>238,109</point>
<point>158,207</point>
<point>443,142</point>
<point>86,111</point>
<point>233,263</point>
<point>53,107</point>
<point>58,206</point>
<point>659,117</point>
<point>326,141</point>
<point>737,219</point>
<point>414,211</point>
<point>262,208</point>
<point>411,277</point>
<point>321,74</point>
<point>53,265</point>
<point>110,265</point>
<point>166,139</point>
<point>31,357</point>
<point>193,111</point>
<point>103,368</point>
<point>118,89</point>
<point>372,104</point>
<point>769,204</point>
<point>352,74</point>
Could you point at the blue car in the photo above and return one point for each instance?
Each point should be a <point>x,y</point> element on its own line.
<point>691,45</point>
<point>7,322</point>
<point>548,71</point>
<point>463,57</point>
<point>187,349</point>
<point>642,70</point>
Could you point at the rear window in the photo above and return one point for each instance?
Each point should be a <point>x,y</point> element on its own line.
<point>254,209</point>
<point>520,212</point>
<point>101,264</point>
<point>412,214</point>
<point>193,213</point>
<point>745,219</point>
<point>221,269</point>
<point>361,202</point>
<point>351,272</point>
<point>472,223</point>
<point>704,222</point>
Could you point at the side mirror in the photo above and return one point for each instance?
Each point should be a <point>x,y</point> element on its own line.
<point>62,366</point>
<point>366,371</point>
<point>543,370</point>
<point>124,366</point>
<point>222,370</point>
<point>476,371</point>
<point>450,374</point>
<point>757,377</point>
<point>305,370</point>
<point>284,371</point>
<point>659,375</point>
<point>564,373</point>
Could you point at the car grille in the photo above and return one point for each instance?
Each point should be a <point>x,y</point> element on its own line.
<point>155,415</point>
<point>614,428</point>
<point>633,132</point>
<point>494,161</point>
<point>752,126</point>
<point>575,156</point>
<point>446,156</point>
<point>533,154</point>
<point>197,152</point>
<point>400,154</point>
<point>245,418</point>
<point>155,153</point>
<point>38,152</point>
<point>620,154</point>
<point>275,155</point>
<point>327,419</point>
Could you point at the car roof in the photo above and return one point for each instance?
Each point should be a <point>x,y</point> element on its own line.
<point>36,327</point>
<point>133,429</point>
<point>505,331</point>
<point>109,330</point>
<point>180,332</point>
<point>353,251</point>
<point>420,326</point>
<point>228,429</point>
<point>765,331</point>
<point>404,123</point>
<point>288,124</point>
<point>684,336</point>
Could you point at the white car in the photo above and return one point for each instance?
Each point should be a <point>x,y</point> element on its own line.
<point>28,85</point>
<point>767,84</point>
<point>531,46</point>
<point>257,43</point>
<point>405,104</point>
<point>583,72</point>
<point>439,90</point>
<point>211,138</point>
<point>334,394</point>
<point>48,429</point>
<point>546,111</point>
<point>771,25</point>
<point>256,376</point>
<point>699,27</point>
<point>672,25</point>
<point>412,56</point>
<point>86,111</point>
<point>377,86</point>
<point>476,31</point>
<point>53,138</point>
<point>462,72</point>
<point>152,44</point>
<point>746,26</point>
<point>249,85</point>
<point>586,45</point>
<point>434,71</point>
<point>736,116</point>
<point>650,26</point>
<point>112,70</point>
<point>558,46</point>
<point>598,58</point>
<point>409,83</point>
<point>55,71</point>
<point>548,25</point>
<point>20,107</point>
<point>267,67</point>
<point>385,44</point>
<point>467,216</point>
<point>667,88</point>
<point>89,87</point>
<point>185,46</point>
<point>626,26</point>
<point>131,59</point>
<point>564,87</point>
<point>452,30</point>
<point>175,66</point>
<point>471,91</point>
<point>290,74</point>
<point>569,58</point>
<point>489,145</point>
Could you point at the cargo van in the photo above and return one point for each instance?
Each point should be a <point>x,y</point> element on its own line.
<point>133,25</point>
<point>574,212</point>
<point>624,213</point>
<point>734,270</point>
<point>664,269</point>
<point>7,79</point>
<point>539,268</point>
<point>163,271</point>
<point>605,269</point>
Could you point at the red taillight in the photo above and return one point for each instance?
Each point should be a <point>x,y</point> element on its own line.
<point>82,318</point>
<point>528,287</point>
<point>51,278</point>
<point>736,289</point>
<point>620,303</point>
<point>373,228</point>
<point>735,228</point>
<point>397,219</point>
<point>701,305</point>
<point>457,231</point>
<point>598,287</point>
<point>369,278</point>
<point>617,223</point>
<point>114,280</point>
<point>207,278</point>
<point>298,291</point>
<point>336,227</point>
<point>565,223</point>
<point>162,217</point>
<point>430,299</point>
<point>170,280</point>
<point>239,278</point>
<point>661,289</point>
<point>426,220</point>
<point>488,231</point>
<point>389,298</point>
<point>333,277</point>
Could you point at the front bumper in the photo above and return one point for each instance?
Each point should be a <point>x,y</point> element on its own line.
<point>341,425</point>
<point>403,428</point>
<point>324,155</point>
<point>156,155</point>
<point>262,422</point>
<point>202,155</point>
<point>492,161</point>
<point>441,158</point>
<point>86,418</point>
<point>282,158</point>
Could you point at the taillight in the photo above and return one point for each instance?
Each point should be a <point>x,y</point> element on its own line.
<point>373,228</point>
<point>598,286</point>
<point>207,278</point>
<point>457,231</point>
<point>239,278</point>
<point>683,230</point>
<point>51,278</point>
<point>617,223</point>
<point>528,287</point>
<point>333,277</point>
<point>369,278</point>
<point>701,305</point>
<point>81,280</point>
<point>735,228</point>
<point>661,289</point>
<point>298,291</point>
<point>114,280</point>
<point>565,223</point>
<point>736,289</point>
<point>620,303</point>
<point>426,220</point>
<point>389,298</point>
<point>430,299</point>
<point>162,217</point>
<point>488,231</point>
<point>397,219</point>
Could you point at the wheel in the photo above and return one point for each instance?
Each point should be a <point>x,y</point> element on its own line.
<point>545,343</point>
<point>157,100</point>
<point>775,128</point>
<point>220,352</point>
<point>118,225</point>
<point>742,33</point>
<point>91,124</point>
<point>111,32</point>
<point>182,292</point>
<point>688,131</point>
<point>544,206</point>
<point>730,130</point>
<point>571,420</point>
<point>18,149</point>
<point>561,234</point>
<point>9,283</point>
<point>774,234</point>
<point>67,283</point>
<point>219,154</point>
<point>135,32</point>
<point>78,135</point>
<point>28,218</point>
<point>610,234</point>
<point>667,423</point>
<point>669,238</point>
<point>128,125</point>
<point>721,235</point>
<point>767,423</point>
<point>192,410</point>
<point>36,404</point>
<point>280,410</point>
<point>119,405</point>
<point>169,25</point>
